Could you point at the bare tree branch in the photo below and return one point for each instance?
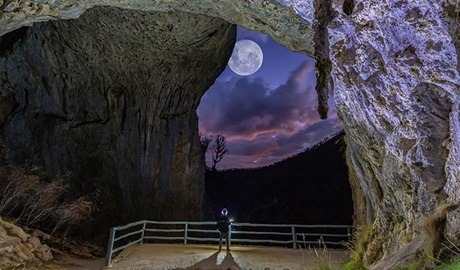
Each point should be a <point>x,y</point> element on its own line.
<point>219,150</point>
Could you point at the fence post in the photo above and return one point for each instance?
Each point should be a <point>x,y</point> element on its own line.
<point>294,238</point>
<point>108,258</point>
<point>143,232</point>
<point>229,238</point>
<point>185,233</point>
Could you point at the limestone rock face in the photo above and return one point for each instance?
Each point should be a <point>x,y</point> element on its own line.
<point>396,75</point>
<point>281,22</point>
<point>17,248</point>
<point>112,96</point>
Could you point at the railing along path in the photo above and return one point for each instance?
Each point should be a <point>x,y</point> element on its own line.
<point>205,232</point>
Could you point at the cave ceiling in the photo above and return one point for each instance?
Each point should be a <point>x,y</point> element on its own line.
<point>289,24</point>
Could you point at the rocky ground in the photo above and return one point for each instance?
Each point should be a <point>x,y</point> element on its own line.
<point>18,248</point>
<point>32,249</point>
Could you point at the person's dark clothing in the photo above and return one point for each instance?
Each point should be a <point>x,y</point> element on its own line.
<point>223,226</point>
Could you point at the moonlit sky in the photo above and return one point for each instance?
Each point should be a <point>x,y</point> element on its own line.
<point>269,115</point>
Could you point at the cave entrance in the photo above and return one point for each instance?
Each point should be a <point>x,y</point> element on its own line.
<point>285,164</point>
<point>133,156</point>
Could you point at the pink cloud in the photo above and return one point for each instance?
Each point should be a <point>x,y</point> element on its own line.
<point>261,124</point>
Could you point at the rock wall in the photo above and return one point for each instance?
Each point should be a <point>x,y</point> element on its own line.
<point>396,75</point>
<point>451,19</point>
<point>112,96</point>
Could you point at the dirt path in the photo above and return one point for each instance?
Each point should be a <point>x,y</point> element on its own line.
<point>70,263</point>
<point>165,257</point>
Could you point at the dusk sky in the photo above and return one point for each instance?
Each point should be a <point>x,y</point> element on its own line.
<point>269,115</point>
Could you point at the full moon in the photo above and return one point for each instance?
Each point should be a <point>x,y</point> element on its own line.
<point>246,58</point>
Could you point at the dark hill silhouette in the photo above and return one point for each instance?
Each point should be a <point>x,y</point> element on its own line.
<point>309,188</point>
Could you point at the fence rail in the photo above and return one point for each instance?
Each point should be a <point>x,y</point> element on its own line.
<point>205,232</point>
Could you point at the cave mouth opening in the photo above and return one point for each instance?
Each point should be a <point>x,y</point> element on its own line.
<point>295,78</point>
<point>284,164</point>
<point>267,116</point>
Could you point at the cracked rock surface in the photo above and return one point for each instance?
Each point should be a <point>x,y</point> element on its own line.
<point>397,92</point>
<point>281,22</point>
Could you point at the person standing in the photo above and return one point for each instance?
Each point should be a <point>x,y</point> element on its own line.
<point>223,226</point>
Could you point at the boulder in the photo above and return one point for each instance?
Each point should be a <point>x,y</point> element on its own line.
<point>18,248</point>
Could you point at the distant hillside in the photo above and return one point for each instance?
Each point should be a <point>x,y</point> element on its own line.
<point>309,188</point>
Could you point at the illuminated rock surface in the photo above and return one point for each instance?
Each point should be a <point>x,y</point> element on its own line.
<point>279,21</point>
<point>396,89</point>
<point>18,248</point>
<point>395,67</point>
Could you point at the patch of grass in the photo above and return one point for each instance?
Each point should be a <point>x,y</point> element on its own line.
<point>354,264</point>
<point>322,258</point>
<point>357,248</point>
<point>452,254</point>
<point>442,253</point>
<point>453,264</point>
<point>324,264</point>
<point>452,261</point>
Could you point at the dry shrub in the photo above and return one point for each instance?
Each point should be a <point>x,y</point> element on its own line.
<point>433,229</point>
<point>323,259</point>
<point>26,195</point>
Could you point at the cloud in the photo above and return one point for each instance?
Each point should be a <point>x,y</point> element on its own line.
<point>262,124</point>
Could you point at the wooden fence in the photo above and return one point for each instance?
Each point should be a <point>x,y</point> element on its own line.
<point>184,232</point>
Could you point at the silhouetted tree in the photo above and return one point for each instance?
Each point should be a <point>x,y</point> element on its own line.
<point>218,150</point>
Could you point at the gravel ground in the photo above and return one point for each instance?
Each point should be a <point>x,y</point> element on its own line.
<point>170,256</point>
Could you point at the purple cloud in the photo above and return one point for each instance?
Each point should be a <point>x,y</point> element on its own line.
<point>261,124</point>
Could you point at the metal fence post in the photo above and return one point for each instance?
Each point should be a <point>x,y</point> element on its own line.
<point>294,238</point>
<point>143,232</point>
<point>185,233</point>
<point>229,238</point>
<point>108,258</point>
